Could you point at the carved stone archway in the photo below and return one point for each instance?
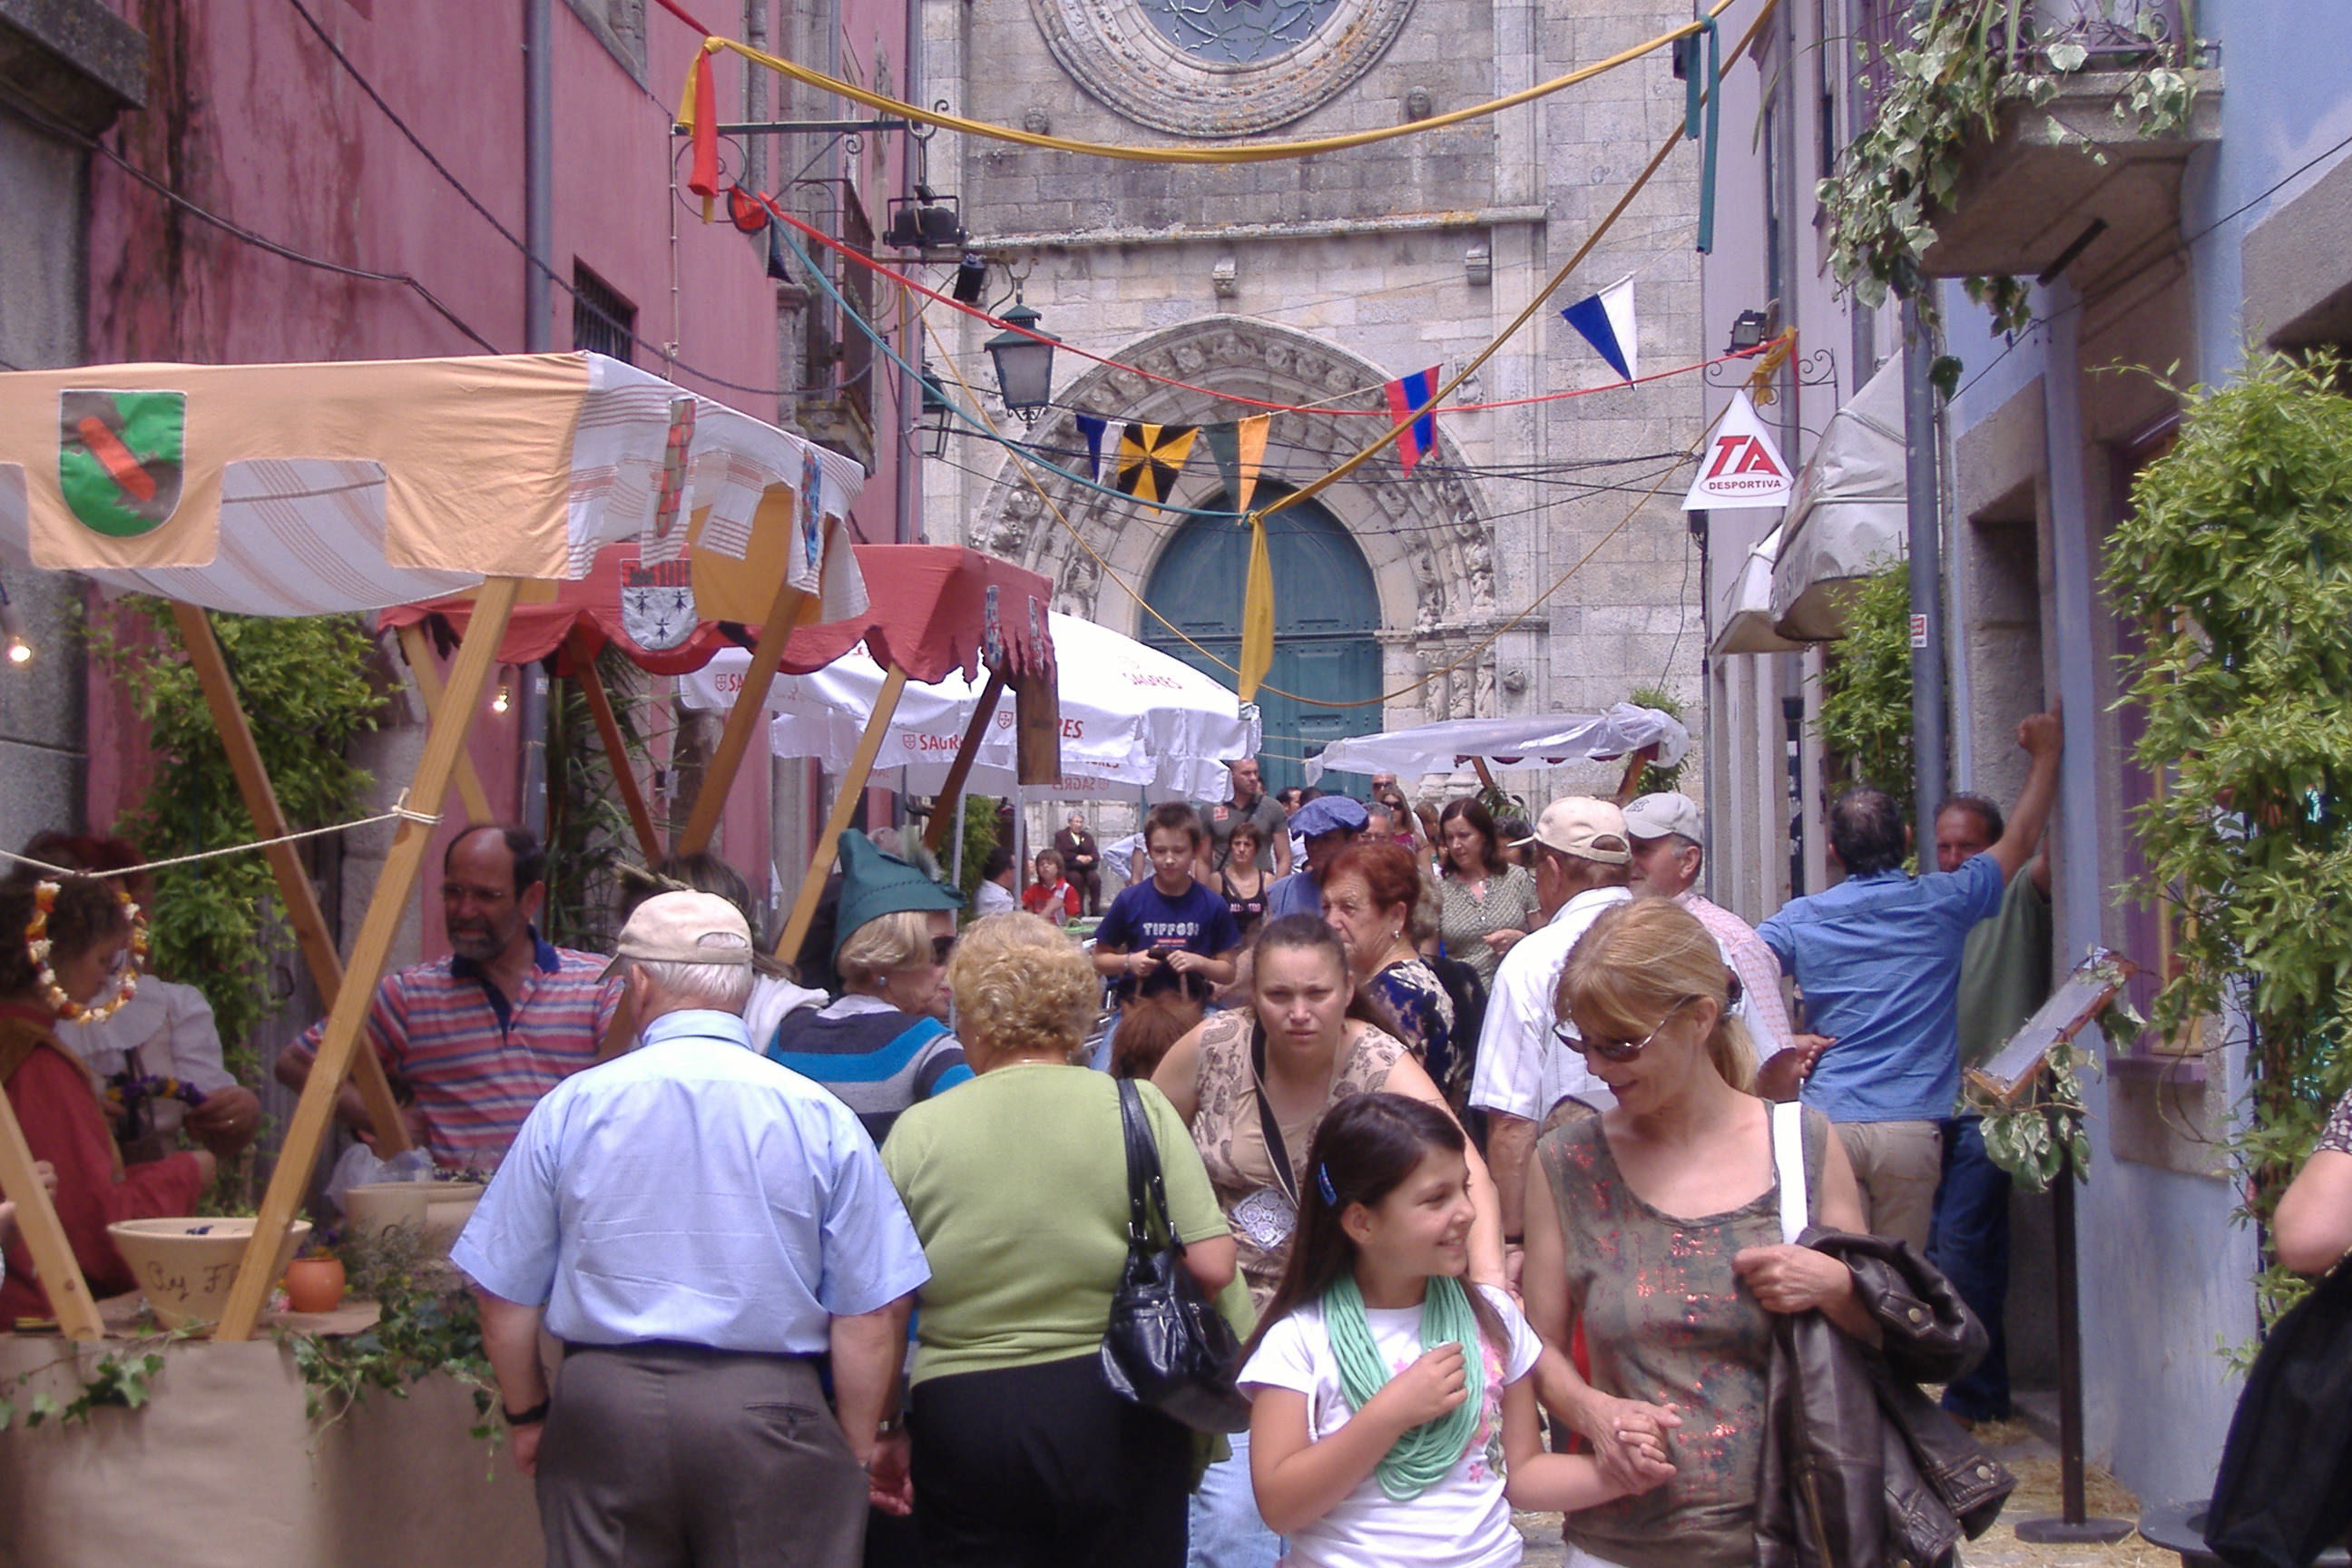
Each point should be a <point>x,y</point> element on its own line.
<point>1427,538</point>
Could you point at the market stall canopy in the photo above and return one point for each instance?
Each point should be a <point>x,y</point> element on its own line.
<point>1549,738</point>
<point>291,489</point>
<point>936,608</point>
<point>1847,519</point>
<point>1132,717</point>
<point>1743,616</point>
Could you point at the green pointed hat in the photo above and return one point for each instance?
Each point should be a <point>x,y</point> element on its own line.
<point>874,884</point>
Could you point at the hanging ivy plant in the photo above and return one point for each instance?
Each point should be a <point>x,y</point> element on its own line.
<point>2236,562</point>
<point>1865,715</point>
<point>1939,96</point>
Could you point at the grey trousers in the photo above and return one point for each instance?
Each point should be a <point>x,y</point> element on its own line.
<point>668,1456</point>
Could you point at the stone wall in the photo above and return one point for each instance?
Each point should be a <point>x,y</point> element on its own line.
<point>1317,278</point>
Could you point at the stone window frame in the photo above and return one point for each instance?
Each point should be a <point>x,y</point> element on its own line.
<point>1113,51</point>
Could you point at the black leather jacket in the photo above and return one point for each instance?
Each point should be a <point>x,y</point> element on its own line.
<point>1861,1468</point>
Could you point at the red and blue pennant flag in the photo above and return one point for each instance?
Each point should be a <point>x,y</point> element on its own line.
<point>1410,397</point>
<point>1606,319</point>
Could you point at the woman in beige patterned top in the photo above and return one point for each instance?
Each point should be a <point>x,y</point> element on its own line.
<point>1299,1050</point>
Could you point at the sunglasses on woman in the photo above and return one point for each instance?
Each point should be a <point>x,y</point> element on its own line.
<point>1610,1050</point>
<point>942,947</point>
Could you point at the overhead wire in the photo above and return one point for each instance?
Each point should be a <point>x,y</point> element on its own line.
<point>692,111</point>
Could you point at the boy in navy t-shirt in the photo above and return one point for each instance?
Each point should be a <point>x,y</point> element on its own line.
<point>1161,934</point>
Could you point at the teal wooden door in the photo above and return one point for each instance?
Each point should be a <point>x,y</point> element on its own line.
<point>1326,613</point>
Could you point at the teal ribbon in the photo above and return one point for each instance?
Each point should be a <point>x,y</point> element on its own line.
<point>1704,92</point>
<point>1426,1454</point>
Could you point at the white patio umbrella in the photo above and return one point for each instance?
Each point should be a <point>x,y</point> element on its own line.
<point>1549,738</point>
<point>1133,718</point>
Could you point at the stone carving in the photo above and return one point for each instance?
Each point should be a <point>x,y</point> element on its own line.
<point>1037,122</point>
<point>1115,51</point>
<point>1485,702</point>
<point>1417,104</point>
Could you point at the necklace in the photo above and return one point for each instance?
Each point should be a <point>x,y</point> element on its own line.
<point>1423,1456</point>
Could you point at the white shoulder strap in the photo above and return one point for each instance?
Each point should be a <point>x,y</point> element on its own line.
<point>1788,1161</point>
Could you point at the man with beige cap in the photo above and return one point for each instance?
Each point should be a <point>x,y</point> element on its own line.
<point>697,1226</point>
<point>1582,862</point>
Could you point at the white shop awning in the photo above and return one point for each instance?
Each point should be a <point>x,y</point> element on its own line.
<point>1743,617</point>
<point>1545,740</point>
<point>1847,519</point>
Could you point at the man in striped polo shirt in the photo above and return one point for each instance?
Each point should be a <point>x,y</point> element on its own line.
<point>477,1038</point>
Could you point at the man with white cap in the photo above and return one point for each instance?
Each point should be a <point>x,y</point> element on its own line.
<point>1583,861</point>
<point>1669,849</point>
<point>697,1226</point>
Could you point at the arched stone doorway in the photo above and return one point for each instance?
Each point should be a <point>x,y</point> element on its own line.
<point>1327,618</point>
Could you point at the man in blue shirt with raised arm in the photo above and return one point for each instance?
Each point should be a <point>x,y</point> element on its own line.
<point>1878,959</point>
<point>700,1227</point>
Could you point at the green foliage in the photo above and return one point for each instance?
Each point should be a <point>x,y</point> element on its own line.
<point>1656,780</point>
<point>1941,95</point>
<point>427,1322</point>
<point>116,1380</point>
<point>304,688</point>
<point>1865,715</point>
<point>588,835</point>
<point>2236,562</point>
<point>978,838</point>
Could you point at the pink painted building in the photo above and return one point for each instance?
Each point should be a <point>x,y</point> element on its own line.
<point>349,179</point>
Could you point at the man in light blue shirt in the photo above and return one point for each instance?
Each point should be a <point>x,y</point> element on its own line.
<point>1878,960</point>
<point>1326,824</point>
<point>697,1224</point>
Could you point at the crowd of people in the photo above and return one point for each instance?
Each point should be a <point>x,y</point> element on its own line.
<point>1468,1127</point>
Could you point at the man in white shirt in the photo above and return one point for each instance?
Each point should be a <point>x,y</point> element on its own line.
<point>1583,859</point>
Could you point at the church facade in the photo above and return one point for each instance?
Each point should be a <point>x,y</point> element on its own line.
<point>1520,567</point>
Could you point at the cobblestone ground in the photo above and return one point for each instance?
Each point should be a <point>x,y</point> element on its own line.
<point>2034,1463</point>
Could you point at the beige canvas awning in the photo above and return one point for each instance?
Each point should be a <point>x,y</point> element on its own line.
<point>1847,519</point>
<point>1742,610</point>
<point>291,489</point>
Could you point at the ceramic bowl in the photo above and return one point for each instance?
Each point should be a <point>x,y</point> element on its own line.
<point>186,1266</point>
<point>437,1210</point>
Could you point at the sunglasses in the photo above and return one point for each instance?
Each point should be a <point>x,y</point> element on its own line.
<point>941,947</point>
<point>1611,1050</point>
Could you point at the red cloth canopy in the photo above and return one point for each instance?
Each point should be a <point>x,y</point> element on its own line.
<point>931,609</point>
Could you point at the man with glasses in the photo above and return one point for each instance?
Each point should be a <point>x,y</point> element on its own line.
<point>477,1038</point>
<point>1583,860</point>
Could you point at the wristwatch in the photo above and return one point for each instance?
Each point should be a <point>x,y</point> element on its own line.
<point>531,1418</point>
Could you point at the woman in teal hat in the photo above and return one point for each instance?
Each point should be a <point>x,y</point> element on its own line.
<point>885,1044</point>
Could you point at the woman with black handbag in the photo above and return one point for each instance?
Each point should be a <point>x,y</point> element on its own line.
<point>1021,1450</point>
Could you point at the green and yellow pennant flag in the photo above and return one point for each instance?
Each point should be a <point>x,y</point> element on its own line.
<point>1239,449</point>
<point>1149,459</point>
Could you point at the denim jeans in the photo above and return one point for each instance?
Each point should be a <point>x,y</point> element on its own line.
<point>1971,1246</point>
<point>1225,1531</point>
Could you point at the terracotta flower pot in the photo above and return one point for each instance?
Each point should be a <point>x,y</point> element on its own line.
<point>314,1284</point>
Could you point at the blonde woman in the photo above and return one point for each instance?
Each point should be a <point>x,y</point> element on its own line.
<point>1656,1225</point>
<point>884,1044</point>
<point>1017,1186</point>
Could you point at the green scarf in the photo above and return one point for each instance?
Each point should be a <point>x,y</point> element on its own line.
<point>1424,1456</point>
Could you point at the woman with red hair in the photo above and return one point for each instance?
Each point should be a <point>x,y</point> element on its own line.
<point>1373,896</point>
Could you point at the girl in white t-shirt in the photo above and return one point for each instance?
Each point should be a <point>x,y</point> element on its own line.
<point>1376,1439</point>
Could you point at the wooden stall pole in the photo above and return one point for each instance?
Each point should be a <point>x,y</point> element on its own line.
<point>419,652</point>
<point>1632,782</point>
<point>294,887</point>
<point>845,806</point>
<point>744,720</point>
<point>443,745</point>
<point>45,1237</point>
<point>616,752</point>
<point>1485,774</point>
<point>948,804</point>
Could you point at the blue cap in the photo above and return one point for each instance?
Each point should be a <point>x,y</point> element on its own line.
<point>1328,814</point>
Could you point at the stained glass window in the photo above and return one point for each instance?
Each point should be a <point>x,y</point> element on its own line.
<point>1237,32</point>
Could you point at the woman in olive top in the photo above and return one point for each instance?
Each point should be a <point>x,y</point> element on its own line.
<point>1017,1186</point>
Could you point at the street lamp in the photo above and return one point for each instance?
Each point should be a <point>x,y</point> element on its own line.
<point>1025,363</point>
<point>938,414</point>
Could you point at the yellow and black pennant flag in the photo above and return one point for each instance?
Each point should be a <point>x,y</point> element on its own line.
<point>1149,459</point>
<point>1239,449</point>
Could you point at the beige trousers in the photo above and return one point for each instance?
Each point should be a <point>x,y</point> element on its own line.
<point>1896,1164</point>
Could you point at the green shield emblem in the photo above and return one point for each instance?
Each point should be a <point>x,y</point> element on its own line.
<point>119,458</point>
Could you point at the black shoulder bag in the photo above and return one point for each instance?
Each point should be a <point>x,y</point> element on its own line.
<point>1166,1347</point>
<point>2285,1490</point>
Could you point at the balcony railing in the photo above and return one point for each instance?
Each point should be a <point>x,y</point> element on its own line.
<point>2110,34</point>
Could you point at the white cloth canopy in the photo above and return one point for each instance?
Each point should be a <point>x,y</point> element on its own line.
<point>291,489</point>
<point>1848,517</point>
<point>1549,738</point>
<point>1133,717</point>
<point>1744,621</point>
